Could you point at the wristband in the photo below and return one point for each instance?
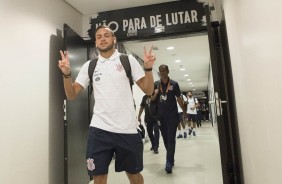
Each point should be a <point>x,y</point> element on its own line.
<point>66,76</point>
<point>148,69</point>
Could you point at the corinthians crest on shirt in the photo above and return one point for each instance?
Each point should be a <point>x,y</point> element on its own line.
<point>119,67</point>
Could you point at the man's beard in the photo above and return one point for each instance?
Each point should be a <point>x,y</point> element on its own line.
<point>110,47</point>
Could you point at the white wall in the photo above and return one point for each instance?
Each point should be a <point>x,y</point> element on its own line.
<point>26,27</point>
<point>255,40</point>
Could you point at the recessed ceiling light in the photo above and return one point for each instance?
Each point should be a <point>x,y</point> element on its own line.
<point>194,89</point>
<point>188,79</point>
<point>186,75</point>
<point>170,48</point>
<point>182,69</point>
<point>190,83</point>
<point>178,61</point>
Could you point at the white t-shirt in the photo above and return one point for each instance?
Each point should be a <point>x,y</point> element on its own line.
<point>178,106</point>
<point>192,104</point>
<point>114,107</point>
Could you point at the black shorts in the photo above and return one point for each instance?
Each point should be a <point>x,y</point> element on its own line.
<point>102,145</point>
<point>192,117</point>
<point>180,116</point>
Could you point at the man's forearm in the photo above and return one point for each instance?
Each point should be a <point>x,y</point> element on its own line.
<point>69,90</point>
<point>154,96</point>
<point>140,112</point>
<point>181,104</point>
<point>148,83</point>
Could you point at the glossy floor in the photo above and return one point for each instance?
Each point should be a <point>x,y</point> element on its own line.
<point>197,161</point>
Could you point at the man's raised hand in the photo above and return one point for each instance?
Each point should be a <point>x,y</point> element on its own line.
<point>149,58</point>
<point>64,63</point>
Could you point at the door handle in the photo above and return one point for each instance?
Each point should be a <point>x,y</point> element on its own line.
<point>212,102</point>
<point>218,103</point>
<point>65,109</point>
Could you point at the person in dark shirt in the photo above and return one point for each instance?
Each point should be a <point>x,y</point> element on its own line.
<point>166,90</point>
<point>151,123</point>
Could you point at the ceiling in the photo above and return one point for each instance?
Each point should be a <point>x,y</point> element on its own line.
<point>193,51</point>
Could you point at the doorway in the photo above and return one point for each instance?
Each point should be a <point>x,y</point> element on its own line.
<point>229,155</point>
<point>188,59</point>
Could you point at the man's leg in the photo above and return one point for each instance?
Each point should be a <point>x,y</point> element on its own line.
<point>135,178</point>
<point>194,128</point>
<point>180,116</point>
<point>99,154</point>
<point>179,130</point>
<point>163,129</point>
<point>199,118</point>
<point>171,133</point>
<point>194,123</point>
<point>190,125</point>
<point>150,126</point>
<point>183,122</point>
<point>101,179</point>
<point>156,136</point>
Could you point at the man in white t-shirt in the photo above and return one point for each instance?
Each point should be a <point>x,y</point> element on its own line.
<point>113,125</point>
<point>192,112</point>
<point>182,120</point>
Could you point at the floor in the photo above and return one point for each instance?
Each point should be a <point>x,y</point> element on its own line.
<point>197,161</point>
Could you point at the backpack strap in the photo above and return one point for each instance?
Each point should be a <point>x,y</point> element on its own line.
<point>126,65</point>
<point>91,68</point>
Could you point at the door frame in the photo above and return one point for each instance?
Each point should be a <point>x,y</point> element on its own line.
<point>223,84</point>
<point>228,131</point>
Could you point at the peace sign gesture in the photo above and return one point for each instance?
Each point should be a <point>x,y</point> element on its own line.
<point>64,63</point>
<point>149,58</point>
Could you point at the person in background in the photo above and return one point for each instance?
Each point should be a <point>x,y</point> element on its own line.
<point>151,123</point>
<point>199,116</point>
<point>192,113</point>
<point>166,90</point>
<point>113,125</point>
<point>182,120</point>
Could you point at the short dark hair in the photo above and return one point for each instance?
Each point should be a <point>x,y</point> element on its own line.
<point>164,66</point>
<point>105,27</point>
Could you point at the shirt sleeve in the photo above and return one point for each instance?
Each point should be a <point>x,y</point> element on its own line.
<point>177,90</point>
<point>137,71</point>
<point>184,98</point>
<point>83,77</point>
<point>143,102</point>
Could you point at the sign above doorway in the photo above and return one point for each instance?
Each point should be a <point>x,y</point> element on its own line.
<point>153,20</point>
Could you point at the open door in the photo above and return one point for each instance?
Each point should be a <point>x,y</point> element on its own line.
<point>76,115</point>
<point>224,110</point>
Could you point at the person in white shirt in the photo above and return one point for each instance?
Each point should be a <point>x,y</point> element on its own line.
<point>113,125</point>
<point>182,120</point>
<point>192,113</point>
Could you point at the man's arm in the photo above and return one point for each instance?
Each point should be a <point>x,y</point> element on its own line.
<point>196,103</point>
<point>181,104</point>
<point>72,90</point>
<point>140,112</point>
<point>147,83</point>
<point>155,94</point>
